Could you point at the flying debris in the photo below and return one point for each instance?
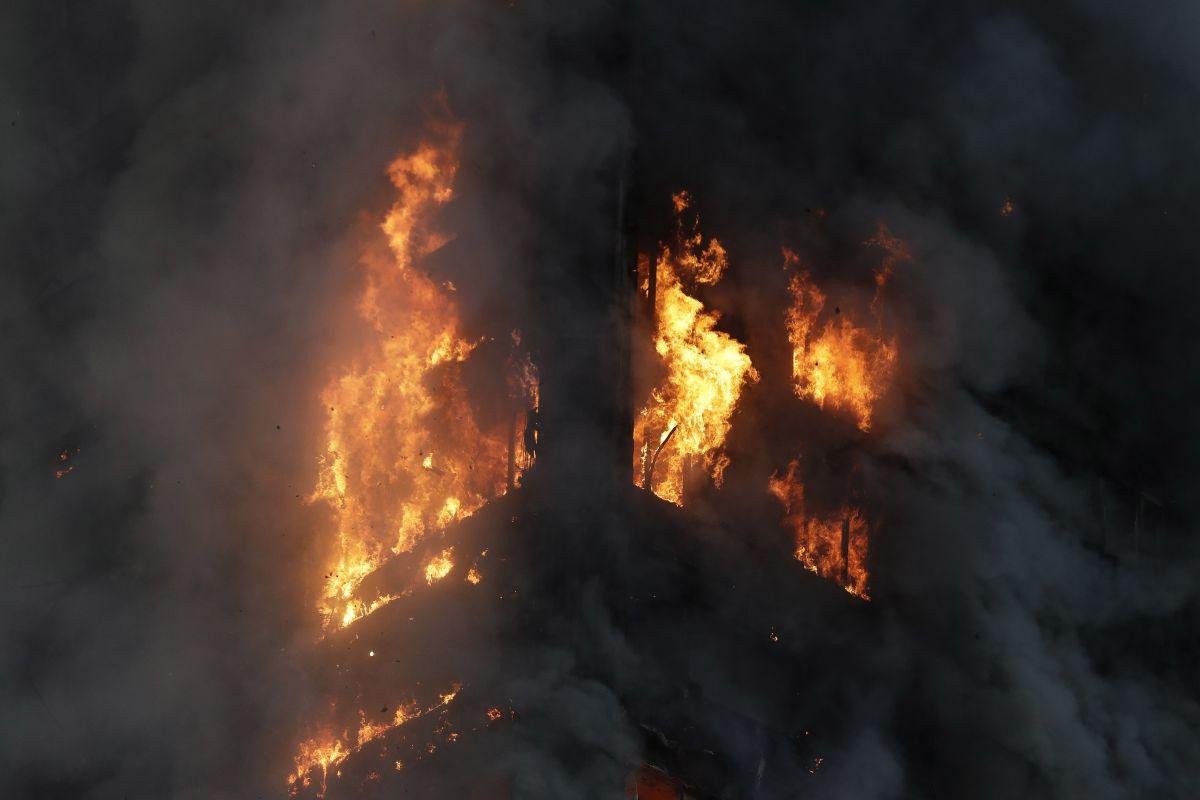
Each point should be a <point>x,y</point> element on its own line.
<point>65,467</point>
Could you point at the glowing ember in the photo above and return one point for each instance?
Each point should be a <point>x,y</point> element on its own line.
<point>832,546</point>
<point>404,455</point>
<point>840,364</point>
<point>687,416</point>
<point>65,467</point>
<point>474,576</point>
<point>651,783</point>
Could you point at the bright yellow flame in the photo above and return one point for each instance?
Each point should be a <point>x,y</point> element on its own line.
<point>840,364</point>
<point>404,455</point>
<point>687,416</point>
<point>357,609</point>
<point>439,566</point>
<point>317,755</point>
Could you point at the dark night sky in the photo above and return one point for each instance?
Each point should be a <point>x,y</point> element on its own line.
<point>185,187</point>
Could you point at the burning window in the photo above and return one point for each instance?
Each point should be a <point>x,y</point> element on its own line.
<point>683,424</point>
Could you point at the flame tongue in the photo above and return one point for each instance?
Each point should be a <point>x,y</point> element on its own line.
<point>317,756</point>
<point>840,364</point>
<point>843,365</point>
<point>687,416</point>
<point>404,455</point>
<point>833,545</point>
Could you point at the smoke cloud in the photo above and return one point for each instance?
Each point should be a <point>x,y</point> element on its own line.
<point>187,188</point>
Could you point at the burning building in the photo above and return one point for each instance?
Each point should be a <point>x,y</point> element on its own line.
<point>446,528</point>
<point>604,399</point>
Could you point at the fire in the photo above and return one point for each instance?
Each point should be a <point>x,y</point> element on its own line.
<point>439,566</point>
<point>840,364</point>
<point>357,609</point>
<point>833,546</point>
<point>404,456</point>
<point>318,755</point>
<point>687,416</point>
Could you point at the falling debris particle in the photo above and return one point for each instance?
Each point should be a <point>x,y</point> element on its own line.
<point>439,566</point>
<point>65,468</point>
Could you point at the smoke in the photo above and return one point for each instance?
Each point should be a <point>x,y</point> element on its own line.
<point>186,190</point>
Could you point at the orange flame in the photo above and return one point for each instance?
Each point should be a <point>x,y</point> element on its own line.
<point>840,364</point>
<point>833,546</point>
<point>439,566</point>
<point>317,754</point>
<point>325,752</point>
<point>404,455</point>
<point>687,416</point>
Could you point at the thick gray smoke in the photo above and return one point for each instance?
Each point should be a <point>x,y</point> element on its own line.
<point>185,188</point>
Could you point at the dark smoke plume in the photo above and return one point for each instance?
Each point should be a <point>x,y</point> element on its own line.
<point>185,191</point>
